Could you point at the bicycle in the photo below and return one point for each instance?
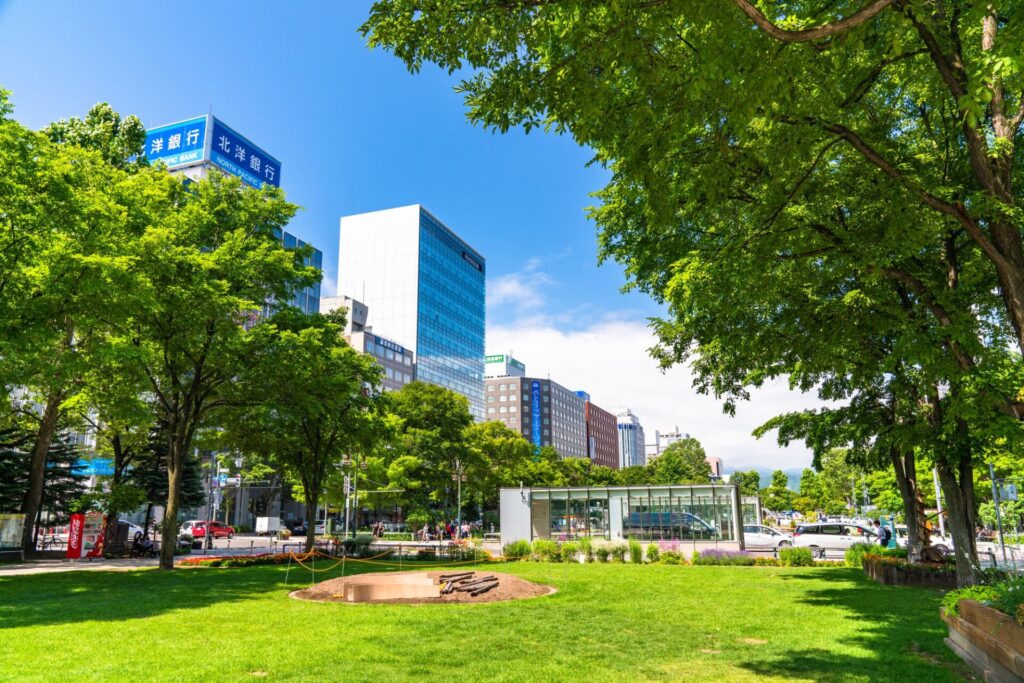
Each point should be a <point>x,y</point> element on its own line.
<point>51,543</point>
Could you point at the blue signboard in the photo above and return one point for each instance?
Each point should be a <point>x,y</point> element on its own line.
<point>535,402</point>
<point>236,155</point>
<point>177,144</point>
<point>100,467</point>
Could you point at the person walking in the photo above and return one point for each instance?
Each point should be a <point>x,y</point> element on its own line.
<point>883,533</point>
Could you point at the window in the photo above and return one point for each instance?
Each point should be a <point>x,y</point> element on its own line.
<point>503,397</point>
<point>406,360</point>
<point>503,409</point>
<point>490,399</point>
<point>491,387</point>
<point>513,408</point>
<point>490,411</point>
<point>503,387</point>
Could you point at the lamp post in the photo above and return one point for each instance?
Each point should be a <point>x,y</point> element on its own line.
<point>458,476</point>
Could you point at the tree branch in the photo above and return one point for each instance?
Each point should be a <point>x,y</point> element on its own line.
<point>804,35</point>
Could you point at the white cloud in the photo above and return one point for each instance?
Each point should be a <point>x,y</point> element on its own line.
<point>522,290</point>
<point>609,360</point>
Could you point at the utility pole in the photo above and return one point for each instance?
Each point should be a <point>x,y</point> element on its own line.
<point>999,515</point>
<point>459,476</point>
<point>938,501</point>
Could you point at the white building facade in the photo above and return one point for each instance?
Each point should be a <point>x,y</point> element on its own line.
<point>632,451</point>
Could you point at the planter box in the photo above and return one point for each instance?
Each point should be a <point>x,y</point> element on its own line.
<point>908,575</point>
<point>989,641</point>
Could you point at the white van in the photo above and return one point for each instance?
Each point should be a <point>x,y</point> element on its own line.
<point>822,536</point>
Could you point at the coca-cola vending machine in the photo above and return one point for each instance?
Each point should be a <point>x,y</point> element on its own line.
<point>85,535</point>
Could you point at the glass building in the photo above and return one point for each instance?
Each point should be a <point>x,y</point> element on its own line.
<point>693,516</point>
<point>424,287</point>
<point>308,299</point>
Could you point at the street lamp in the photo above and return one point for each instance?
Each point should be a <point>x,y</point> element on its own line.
<point>458,476</point>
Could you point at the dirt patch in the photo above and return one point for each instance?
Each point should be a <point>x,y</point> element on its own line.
<point>414,588</point>
<point>753,641</point>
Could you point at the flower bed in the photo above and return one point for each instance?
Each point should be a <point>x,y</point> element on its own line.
<point>989,641</point>
<point>893,569</point>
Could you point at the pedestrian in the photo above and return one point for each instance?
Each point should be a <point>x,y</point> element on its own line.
<point>883,533</point>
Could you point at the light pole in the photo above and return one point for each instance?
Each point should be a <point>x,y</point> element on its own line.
<point>459,476</point>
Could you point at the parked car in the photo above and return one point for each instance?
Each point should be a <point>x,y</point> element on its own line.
<point>132,529</point>
<point>197,529</point>
<point>822,536</point>
<point>269,525</point>
<point>943,544</point>
<point>758,536</point>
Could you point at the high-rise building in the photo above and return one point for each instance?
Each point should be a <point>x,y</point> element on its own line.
<point>425,289</point>
<point>197,147</point>
<point>663,440</point>
<point>602,433</point>
<point>398,362</point>
<point>503,365</point>
<point>631,439</point>
<point>543,411</point>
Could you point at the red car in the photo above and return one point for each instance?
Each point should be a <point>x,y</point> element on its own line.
<point>197,529</point>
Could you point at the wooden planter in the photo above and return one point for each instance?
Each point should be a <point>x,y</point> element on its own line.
<point>989,641</point>
<point>908,575</point>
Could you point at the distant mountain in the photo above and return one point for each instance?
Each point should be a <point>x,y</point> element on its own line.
<point>792,474</point>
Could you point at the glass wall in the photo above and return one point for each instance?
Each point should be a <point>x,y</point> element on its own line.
<point>567,514</point>
<point>647,513</point>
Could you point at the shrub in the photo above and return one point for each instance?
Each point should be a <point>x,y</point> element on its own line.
<point>516,550</point>
<point>983,594</point>
<point>714,556</point>
<point>766,562</point>
<point>602,553</point>
<point>1009,598</point>
<point>879,551</point>
<point>618,552</point>
<point>284,533</point>
<point>653,554</point>
<point>672,557</point>
<point>855,554</point>
<point>569,551</point>
<point>545,550</point>
<point>243,529</point>
<point>636,552</point>
<point>796,557</point>
<point>587,547</point>
<point>358,545</point>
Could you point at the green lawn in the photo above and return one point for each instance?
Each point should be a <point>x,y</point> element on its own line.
<point>607,622</point>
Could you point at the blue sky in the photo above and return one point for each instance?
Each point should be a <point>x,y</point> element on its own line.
<point>354,131</point>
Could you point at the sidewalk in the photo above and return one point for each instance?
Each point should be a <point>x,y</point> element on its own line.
<point>53,566</point>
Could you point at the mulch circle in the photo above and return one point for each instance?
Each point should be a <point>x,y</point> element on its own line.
<point>509,587</point>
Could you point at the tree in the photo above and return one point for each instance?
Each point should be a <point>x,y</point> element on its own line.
<point>854,179</point>
<point>498,455</point>
<point>304,399</point>
<point>923,101</point>
<point>64,275</point>
<point>777,497</point>
<point>208,259</point>
<point>682,462</point>
<point>149,473</point>
<point>431,437</point>
<point>749,482</point>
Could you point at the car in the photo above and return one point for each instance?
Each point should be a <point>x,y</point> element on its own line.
<point>822,536</point>
<point>197,529</point>
<point>945,545</point>
<point>132,529</point>
<point>758,536</point>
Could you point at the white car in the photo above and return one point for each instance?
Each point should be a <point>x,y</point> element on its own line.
<point>758,536</point>
<point>943,544</point>
<point>822,536</point>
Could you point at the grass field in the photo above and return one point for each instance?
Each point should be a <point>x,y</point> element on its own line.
<point>606,623</point>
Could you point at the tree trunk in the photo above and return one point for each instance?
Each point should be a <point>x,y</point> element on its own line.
<point>32,502</point>
<point>311,498</point>
<point>110,533</point>
<point>169,532</point>
<point>960,514</point>
<point>149,518</point>
<point>913,504</point>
